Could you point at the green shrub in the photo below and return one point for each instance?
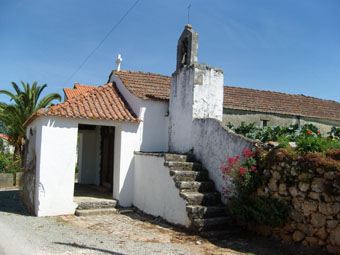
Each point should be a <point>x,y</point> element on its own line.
<point>259,210</point>
<point>316,144</point>
<point>8,165</point>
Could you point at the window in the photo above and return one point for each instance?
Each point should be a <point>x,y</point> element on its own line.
<point>264,123</point>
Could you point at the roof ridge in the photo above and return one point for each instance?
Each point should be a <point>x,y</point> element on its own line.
<point>130,71</point>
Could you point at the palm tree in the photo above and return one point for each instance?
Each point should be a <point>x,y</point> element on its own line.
<point>26,102</point>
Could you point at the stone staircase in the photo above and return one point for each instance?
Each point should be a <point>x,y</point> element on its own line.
<point>204,208</point>
<point>96,206</point>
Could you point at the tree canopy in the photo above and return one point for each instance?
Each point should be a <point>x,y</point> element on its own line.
<point>24,102</point>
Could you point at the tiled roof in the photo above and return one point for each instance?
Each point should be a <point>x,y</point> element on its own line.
<point>275,102</point>
<point>3,136</point>
<point>104,102</point>
<point>157,87</point>
<point>146,85</point>
<point>77,90</point>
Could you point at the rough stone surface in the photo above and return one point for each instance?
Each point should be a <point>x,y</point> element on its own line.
<point>329,209</point>
<point>283,189</point>
<point>322,234</point>
<point>304,186</point>
<point>332,224</point>
<point>298,236</point>
<point>293,191</point>
<point>308,207</point>
<point>313,241</point>
<point>318,220</point>
<point>318,185</point>
<point>334,237</point>
<point>306,229</point>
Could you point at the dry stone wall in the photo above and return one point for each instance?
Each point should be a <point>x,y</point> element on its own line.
<point>314,200</point>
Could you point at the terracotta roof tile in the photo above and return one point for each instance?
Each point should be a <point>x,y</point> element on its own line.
<point>281,103</point>
<point>146,85</point>
<point>157,87</point>
<point>77,90</point>
<point>3,136</point>
<point>104,102</point>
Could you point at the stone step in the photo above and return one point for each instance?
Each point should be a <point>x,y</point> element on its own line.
<point>174,165</point>
<point>203,186</point>
<point>196,198</point>
<point>96,204</point>
<point>216,223</point>
<point>96,211</point>
<point>179,175</point>
<point>178,157</point>
<point>220,233</point>
<point>199,211</point>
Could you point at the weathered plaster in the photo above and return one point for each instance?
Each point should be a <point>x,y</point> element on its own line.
<point>213,143</point>
<point>155,192</point>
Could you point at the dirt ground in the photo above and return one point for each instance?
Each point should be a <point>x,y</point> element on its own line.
<point>144,228</point>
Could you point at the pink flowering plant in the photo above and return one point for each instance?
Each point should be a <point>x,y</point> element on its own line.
<point>240,175</point>
<point>242,178</point>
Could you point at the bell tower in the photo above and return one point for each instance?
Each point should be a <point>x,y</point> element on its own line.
<point>187,48</point>
<point>196,92</point>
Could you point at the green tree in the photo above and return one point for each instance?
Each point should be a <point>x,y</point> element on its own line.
<point>24,102</point>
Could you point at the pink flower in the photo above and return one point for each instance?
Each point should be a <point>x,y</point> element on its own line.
<point>243,171</point>
<point>253,168</point>
<point>247,153</point>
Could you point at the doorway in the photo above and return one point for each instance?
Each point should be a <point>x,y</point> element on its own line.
<point>107,157</point>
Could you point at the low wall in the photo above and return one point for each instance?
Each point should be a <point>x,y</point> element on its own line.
<point>313,198</point>
<point>155,192</point>
<point>212,143</point>
<point>9,180</point>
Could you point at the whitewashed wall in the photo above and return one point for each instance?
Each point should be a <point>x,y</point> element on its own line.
<point>155,192</point>
<point>196,92</point>
<point>56,141</point>
<point>213,144</point>
<point>154,126</point>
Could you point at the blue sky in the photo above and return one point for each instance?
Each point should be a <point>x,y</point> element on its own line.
<point>280,45</point>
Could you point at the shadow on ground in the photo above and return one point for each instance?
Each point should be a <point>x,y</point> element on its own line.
<point>244,242</point>
<point>89,248</point>
<point>252,244</point>
<point>10,202</point>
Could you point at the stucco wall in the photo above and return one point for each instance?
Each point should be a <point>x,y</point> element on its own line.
<point>237,116</point>
<point>55,164</point>
<point>155,192</point>
<point>196,92</point>
<point>153,129</point>
<point>126,143</point>
<point>213,143</point>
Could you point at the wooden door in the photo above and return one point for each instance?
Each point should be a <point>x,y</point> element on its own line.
<point>107,156</point>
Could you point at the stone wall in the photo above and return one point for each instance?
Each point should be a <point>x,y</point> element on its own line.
<point>9,180</point>
<point>314,201</point>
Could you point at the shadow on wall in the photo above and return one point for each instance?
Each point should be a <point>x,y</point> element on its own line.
<point>126,192</point>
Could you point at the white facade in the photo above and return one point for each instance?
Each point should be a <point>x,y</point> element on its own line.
<point>56,149</point>
<point>196,92</point>
<point>155,192</point>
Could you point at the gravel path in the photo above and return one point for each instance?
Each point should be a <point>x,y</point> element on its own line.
<point>130,233</point>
